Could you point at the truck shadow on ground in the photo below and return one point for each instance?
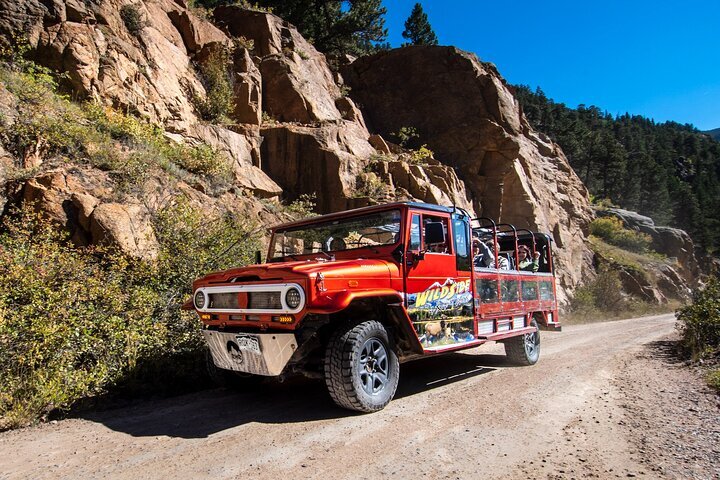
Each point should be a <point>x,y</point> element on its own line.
<point>298,399</point>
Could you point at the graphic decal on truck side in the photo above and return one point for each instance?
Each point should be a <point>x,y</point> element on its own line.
<point>442,313</point>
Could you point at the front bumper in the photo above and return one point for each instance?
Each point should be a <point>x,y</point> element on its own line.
<point>259,354</point>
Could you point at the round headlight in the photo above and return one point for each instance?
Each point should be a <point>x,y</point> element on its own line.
<point>199,300</point>
<point>292,298</point>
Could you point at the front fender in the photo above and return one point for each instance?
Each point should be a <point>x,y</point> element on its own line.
<point>333,302</point>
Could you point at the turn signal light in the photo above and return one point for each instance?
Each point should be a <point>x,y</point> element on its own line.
<point>205,316</point>
<point>283,319</point>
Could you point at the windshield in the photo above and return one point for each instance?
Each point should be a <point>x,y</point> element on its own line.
<point>381,228</point>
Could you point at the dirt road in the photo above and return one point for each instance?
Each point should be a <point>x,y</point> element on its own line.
<point>596,405</point>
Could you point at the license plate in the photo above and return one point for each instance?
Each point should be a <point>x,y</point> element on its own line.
<point>248,343</point>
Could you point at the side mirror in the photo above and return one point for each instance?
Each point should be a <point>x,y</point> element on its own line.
<point>414,257</point>
<point>434,233</point>
<point>258,257</point>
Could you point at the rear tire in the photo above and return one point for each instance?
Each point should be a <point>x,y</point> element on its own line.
<point>361,368</point>
<point>524,349</point>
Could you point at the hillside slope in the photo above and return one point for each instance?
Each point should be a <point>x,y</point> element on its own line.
<point>667,171</point>
<point>291,131</point>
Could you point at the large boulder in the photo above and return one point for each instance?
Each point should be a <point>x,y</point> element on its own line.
<point>466,113</point>
<point>196,32</point>
<point>431,182</point>
<point>672,242</point>
<point>247,89</point>
<point>297,84</point>
<point>322,161</point>
<point>66,197</point>
<point>124,226</point>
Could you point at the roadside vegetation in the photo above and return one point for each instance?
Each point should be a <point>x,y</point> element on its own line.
<point>603,299</point>
<point>50,129</point>
<point>699,325</point>
<point>611,230</point>
<point>617,249</point>
<point>79,322</point>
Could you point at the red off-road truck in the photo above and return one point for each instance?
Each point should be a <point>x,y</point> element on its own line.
<point>349,296</point>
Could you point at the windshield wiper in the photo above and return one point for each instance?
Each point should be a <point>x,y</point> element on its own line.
<point>330,257</point>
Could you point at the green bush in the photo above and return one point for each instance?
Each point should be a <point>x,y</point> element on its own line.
<point>421,155</point>
<point>371,186</point>
<point>70,322</point>
<point>699,322</point>
<point>612,231</point>
<point>76,322</point>
<point>203,160</point>
<point>49,125</point>
<point>713,379</point>
<point>218,103</point>
<point>132,18</point>
<point>303,207</point>
<point>406,137</point>
<point>603,296</point>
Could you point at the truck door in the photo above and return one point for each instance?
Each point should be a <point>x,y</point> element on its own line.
<point>438,291</point>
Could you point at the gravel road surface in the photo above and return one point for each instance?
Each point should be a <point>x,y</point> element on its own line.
<point>606,400</point>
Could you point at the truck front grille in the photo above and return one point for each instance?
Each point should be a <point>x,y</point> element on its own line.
<point>224,301</point>
<point>251,299</point>
<point>264,300</point>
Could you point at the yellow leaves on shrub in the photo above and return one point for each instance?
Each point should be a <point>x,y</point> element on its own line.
<point>611,230</point>
<point>76,321</point>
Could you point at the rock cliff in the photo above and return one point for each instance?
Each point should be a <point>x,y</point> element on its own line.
<point>293,128</point>
<point>466,113</point>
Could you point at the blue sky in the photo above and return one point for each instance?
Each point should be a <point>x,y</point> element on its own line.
<point>660,59</point>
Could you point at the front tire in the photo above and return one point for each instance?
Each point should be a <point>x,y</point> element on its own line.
<point>361,368</point>
<point>524,349</point>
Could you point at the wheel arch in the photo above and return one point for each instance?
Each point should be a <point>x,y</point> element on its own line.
<point>389,311</point>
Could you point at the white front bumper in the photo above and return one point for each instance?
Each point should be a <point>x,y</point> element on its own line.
<point>259,354</point>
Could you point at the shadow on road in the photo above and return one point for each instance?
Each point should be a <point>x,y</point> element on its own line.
<point>668,351</point>
<point>201,414</point>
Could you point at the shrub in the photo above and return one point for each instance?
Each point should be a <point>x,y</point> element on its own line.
<point>243,42</point>
<point>46,124</point>
<point>75,322</point>
<point>132,18</point>
<point>699,322</point>
<point>421,155</point>
<point>218,103</point>
<point>303,207</point>
<point>202,159</point>
<point>612,231</point>
<point>371,186</point>
<point>713,379</point>
<point>602,296</point>
<point>69,322</point>
<point>406,137</point>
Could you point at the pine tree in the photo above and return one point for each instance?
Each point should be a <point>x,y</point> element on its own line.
<point>335,27</point>
<point>668,171</point>
<point>418,29</point>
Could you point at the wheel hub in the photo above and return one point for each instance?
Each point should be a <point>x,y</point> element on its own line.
<point>373,363</point>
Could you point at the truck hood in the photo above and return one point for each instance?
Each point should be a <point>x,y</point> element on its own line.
<point>287,271</point>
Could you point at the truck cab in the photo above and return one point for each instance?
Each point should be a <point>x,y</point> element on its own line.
<point>350,295</point>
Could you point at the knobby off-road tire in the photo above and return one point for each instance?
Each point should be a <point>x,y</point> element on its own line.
<point>361,368</point>
<point>524,349</point>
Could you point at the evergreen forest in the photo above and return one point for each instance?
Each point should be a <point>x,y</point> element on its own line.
<point>667,171</point>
